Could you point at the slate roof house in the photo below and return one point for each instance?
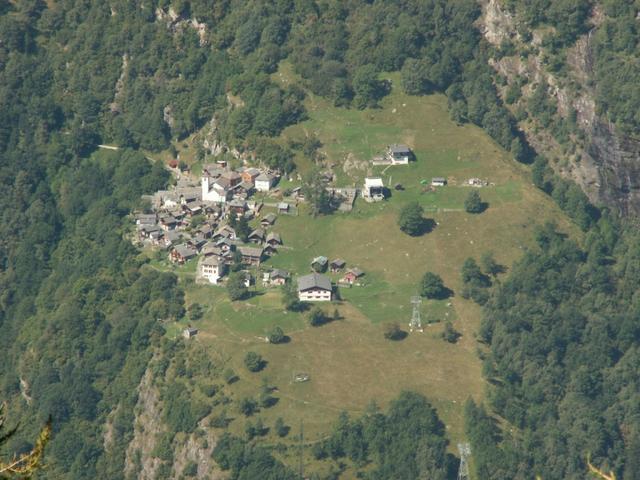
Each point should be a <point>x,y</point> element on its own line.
<point>337,265</point>
<point>251,255</point>
<point>398,154</point>
<point>268,220</point>
<point>352,276</point>
<point>212,268</point>
<point>264,182</point>
<point>314,288</point>
<point>182,253</point>
<point>319,264</point>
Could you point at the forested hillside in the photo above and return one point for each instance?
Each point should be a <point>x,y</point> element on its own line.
<point>81,315</point>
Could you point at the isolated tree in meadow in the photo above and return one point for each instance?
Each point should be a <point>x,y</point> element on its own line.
<point>236,287</point>
<point>432,286</point>
<point>473,203</point>
<point>411,220</point>
<point>254,362</point>
<point>276,335</point>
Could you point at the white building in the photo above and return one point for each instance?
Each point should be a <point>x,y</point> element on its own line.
<point>212,268</point>
<point>373,190</point>
<point>314,288</point>
<point>217,190</point>
<point>399,154</point>
<point>264,182</point>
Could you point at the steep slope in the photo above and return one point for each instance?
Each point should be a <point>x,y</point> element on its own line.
<point>601,156</point>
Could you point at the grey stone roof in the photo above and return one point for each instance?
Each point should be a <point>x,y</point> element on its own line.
<point>314,280</point>
<point>356,271</point>
<point>186,251</point>
<point>211,261</point>
<point>278,273</point>
<point>269,218</point>
<point>338,262</point>
<point>264,177</point>
<point>257,233</point>
<point>321,260</point>
<point>272,236</point>
<point>399,148</point>
<point>250,251</point>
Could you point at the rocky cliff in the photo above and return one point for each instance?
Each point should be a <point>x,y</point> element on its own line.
<point>602,160</point>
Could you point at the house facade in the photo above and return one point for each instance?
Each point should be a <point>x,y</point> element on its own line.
<point>212,268</point>
<point>264,182</point>
<point>373,190</point>
<point>398,154</point>
<point>217,191</point>
<point>314,288</point>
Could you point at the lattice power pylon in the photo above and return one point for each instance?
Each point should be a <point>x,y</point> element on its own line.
<point>416,322</point>
<point>465,453</point>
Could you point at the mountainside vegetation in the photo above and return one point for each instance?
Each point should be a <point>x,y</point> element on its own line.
<point>82,313</point>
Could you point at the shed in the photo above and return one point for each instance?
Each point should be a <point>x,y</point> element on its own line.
<point>283,207</point>
<point>438,182</point>
<point>189,332</point>
<point>337,265</point>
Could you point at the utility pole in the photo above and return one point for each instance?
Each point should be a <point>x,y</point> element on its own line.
<point>300,452</point>
<point>465,453</point>
<point>416,322</point>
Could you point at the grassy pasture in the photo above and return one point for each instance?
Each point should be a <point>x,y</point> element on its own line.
<point>349,361</point>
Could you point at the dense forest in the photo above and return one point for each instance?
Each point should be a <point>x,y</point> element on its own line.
<point>81,315</point>
<point>563,335</point>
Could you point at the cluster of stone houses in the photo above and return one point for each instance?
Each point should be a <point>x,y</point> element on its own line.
<point>222,195</point>
<point>220,185</point>
<point>317,287</point>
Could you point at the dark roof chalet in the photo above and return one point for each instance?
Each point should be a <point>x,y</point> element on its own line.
<point>314,280</point>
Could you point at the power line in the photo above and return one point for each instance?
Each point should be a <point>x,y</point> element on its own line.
<point>416,322</point>
<point>465,453</point>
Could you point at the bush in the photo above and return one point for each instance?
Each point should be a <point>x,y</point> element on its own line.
<point>195,312</point>
<point>248,406</point>
<point>191,470</point>
<point>280,428</point>
<point>392,331</point>
<point>254,362</point>
<point>317,317</point>
<point>209,390</point>
<point>450,334</point>
<point>229,376</point>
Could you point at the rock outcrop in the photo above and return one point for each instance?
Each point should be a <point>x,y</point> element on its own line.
<point>606,162</point>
